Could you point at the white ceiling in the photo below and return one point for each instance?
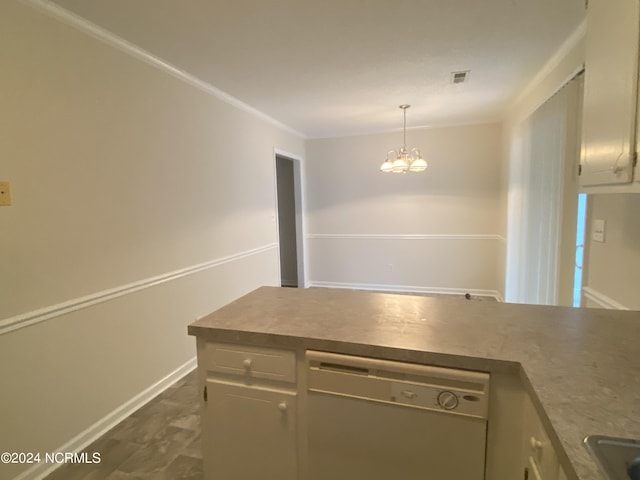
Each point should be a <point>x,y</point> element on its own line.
<point>341,67</point>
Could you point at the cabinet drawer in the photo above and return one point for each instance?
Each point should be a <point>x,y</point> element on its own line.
<point>255,362</point>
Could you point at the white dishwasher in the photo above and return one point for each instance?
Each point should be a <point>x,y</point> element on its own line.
<point>371,419</point>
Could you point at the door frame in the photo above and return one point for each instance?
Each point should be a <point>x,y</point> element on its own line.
<point>299,195</point>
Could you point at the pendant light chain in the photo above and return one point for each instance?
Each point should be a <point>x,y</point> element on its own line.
<point>404,128</point>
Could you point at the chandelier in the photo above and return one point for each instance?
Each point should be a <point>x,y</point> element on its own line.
<point>404,159</point>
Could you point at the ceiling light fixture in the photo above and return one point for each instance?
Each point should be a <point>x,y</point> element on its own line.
<point>405,159</point>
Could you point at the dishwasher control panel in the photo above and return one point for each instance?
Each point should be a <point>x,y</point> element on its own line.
<point>447,390</point>
<point>434,397</point>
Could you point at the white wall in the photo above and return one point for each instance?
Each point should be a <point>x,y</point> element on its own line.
<point>429,231</point>
<point>129,182</point>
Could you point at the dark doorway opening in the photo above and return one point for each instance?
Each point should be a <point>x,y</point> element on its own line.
<point>287,227</point>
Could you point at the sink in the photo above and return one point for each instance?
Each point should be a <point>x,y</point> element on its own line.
<point>618,458</point>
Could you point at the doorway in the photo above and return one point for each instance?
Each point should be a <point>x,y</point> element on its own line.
<point>543,198</point>
<point>289,221</point>
<point>578,269</point>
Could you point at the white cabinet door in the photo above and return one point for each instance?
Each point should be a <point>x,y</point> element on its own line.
<point>561,475</point>
<point>610,92</point>
<point>540,457</point>
<point>249,433</point>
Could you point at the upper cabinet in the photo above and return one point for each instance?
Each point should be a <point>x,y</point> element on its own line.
<point>609,122</point>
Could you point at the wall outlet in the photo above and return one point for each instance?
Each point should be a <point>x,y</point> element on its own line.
<point>597,235</point>
<point>5,194</point>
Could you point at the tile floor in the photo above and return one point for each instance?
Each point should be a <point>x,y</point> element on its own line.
<point>160,441</point>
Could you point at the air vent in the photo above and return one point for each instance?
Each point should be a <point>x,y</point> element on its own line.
<point>459,77</point>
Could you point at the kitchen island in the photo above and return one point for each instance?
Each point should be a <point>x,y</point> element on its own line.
<point>579,367</point>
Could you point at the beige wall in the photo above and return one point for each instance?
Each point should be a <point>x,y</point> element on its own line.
<point>361,221</point>
<point>613,267</point>
<point>120,173</point>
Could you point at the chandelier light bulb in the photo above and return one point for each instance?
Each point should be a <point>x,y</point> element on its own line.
<point>386,166</point>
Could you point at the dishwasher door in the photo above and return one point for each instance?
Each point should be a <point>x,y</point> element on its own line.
<point>372,419</point>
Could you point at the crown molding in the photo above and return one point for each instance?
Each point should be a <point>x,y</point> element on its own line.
<point>80,23</point>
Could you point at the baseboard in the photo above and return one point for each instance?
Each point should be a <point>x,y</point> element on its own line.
<point>102,426</point>
<point>601,299</point>
<point>409,289</point>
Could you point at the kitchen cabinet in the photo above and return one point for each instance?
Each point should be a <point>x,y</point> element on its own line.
<point>561,474</point>
<point>608,155</point>
<point>250,410</point>
<point>250,432</point>
<point>265,414</point>
<point>540,461</point>
<point>554,356</point>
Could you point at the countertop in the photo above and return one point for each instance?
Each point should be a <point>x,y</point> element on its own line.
<point>582,366</point>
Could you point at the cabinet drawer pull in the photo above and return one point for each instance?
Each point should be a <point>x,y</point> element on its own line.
<point>282,406</point>
<point>247,363</point>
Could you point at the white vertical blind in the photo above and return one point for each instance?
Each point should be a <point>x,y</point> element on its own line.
<point>541,147</point>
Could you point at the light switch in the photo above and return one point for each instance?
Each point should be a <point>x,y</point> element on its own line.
<point>597,235</point>
<point>5,194</point>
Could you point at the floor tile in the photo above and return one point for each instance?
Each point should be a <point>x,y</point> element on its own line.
<point>160,441</point>
<point>184,468</point>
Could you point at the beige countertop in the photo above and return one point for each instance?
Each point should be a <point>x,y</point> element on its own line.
<point>581,365</point>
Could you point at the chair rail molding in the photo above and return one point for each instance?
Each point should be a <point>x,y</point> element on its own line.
<point>36,316</point>
<point>396,236</point>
